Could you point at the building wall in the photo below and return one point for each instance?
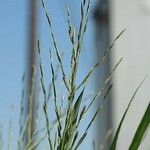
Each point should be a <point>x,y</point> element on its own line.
<point>134,47</point>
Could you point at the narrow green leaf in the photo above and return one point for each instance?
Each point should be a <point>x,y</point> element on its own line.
<point>114,142</point>
<point>77,104</point>
<point>71,123</point>
<point>141,130</point>
<point>75,109</point>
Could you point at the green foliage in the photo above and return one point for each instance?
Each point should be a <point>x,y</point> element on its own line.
<point>143,126</point>
<point>113,145</point>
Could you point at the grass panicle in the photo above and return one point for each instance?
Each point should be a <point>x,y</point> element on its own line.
<point>55,98</point>
<point>66,135</point>
<point>45,108</point>
<point>102,90</point>
<point>55,45</point>
<point>89,74</point>
<point>93,118</point>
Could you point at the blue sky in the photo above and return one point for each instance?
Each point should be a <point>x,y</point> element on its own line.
<point>13,48</point>
<point>13,23</point>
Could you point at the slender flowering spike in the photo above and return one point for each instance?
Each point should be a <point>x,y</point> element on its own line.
<point>55,99</point>
<point>57,51</point>
<point>45,98</point>
<point>99,63</point>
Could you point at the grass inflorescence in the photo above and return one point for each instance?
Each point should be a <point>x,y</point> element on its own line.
<point>67,128</point>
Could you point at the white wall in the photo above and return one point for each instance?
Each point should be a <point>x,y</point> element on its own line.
<point>134,47</point>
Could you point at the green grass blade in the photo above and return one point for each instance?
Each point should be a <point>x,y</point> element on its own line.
<point>141,130</point>
<point>71,122</point>
<point>77,104</point>
<point>115,139</point>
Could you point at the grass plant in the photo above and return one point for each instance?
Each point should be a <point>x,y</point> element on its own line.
<point>63,133</point>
